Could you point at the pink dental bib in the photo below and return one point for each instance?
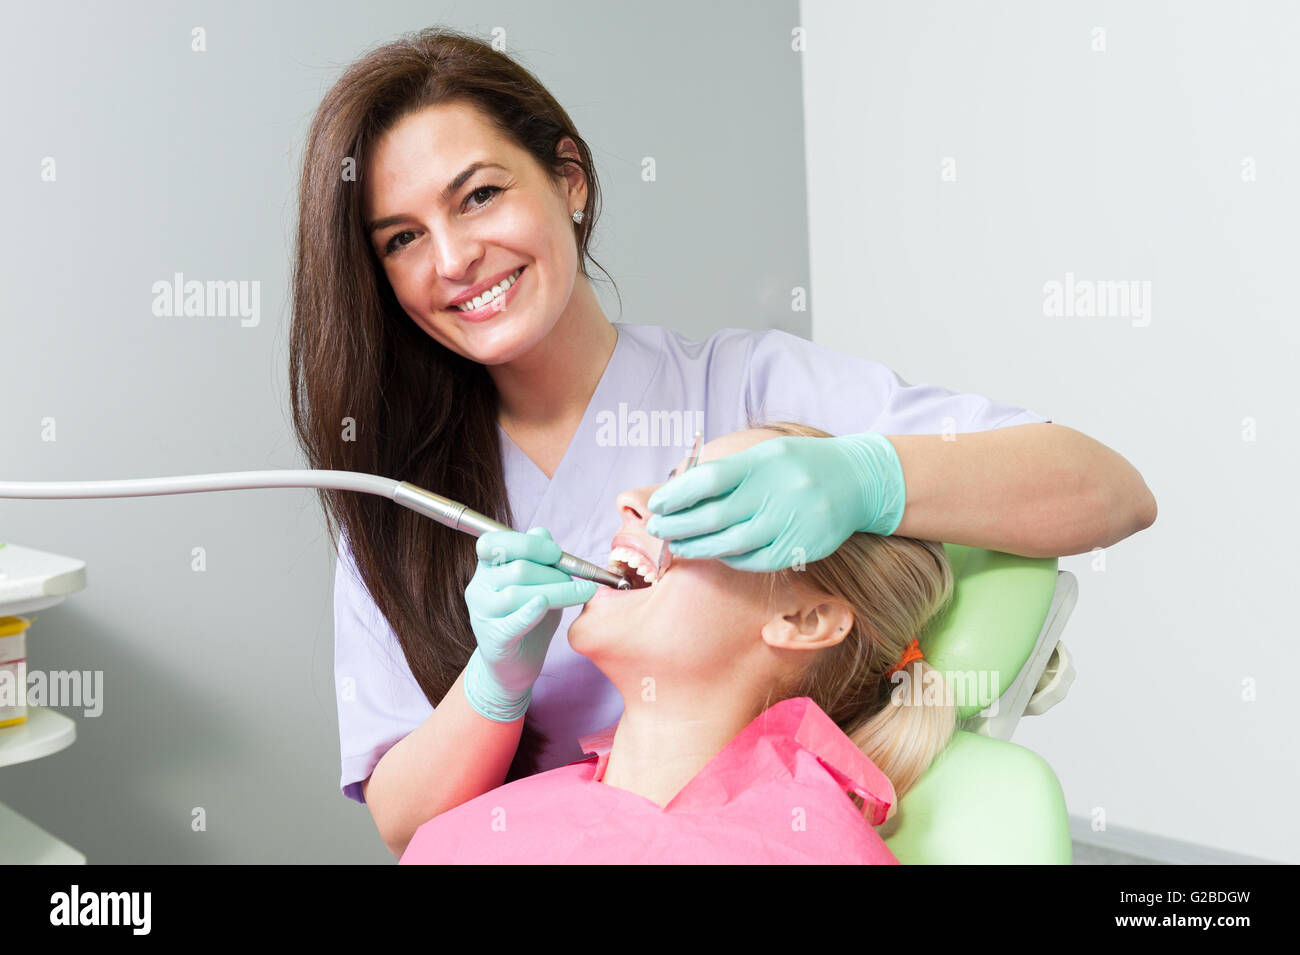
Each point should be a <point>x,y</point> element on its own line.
<point>775,794</point>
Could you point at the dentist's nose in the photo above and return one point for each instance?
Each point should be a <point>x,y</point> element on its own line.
<point>451,256</point>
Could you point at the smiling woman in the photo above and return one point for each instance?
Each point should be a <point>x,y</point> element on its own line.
<point>469,172</point>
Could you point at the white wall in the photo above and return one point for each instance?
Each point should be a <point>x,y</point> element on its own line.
<point>1122,164</point>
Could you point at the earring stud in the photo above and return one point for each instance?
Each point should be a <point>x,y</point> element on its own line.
<point>577,215</point>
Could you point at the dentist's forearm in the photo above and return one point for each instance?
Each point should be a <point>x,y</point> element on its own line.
<point>453,756</point>
<point>1038,490</point>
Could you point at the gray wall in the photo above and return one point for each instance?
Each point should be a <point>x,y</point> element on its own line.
<point>1122,165</point>
<point>218,685</point>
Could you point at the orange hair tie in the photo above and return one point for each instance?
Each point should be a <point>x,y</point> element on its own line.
<point>913,652</point>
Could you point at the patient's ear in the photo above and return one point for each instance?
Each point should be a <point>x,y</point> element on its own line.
<point>810,623</point>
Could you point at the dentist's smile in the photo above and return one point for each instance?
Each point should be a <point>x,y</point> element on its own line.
<point>488,299</point>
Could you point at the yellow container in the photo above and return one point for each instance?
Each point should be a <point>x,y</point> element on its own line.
<point>13,670</point>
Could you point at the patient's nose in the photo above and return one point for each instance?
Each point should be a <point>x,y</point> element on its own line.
<point>633,506</point>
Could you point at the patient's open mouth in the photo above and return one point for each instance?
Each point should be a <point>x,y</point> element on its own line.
<point>636,567</point>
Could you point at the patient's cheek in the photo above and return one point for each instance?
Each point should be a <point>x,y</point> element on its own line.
<point>732,586</point>
<point>707,593</point>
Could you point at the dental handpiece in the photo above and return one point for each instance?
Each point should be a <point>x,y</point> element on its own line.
<point>441,509</point>
<point>459,517</point>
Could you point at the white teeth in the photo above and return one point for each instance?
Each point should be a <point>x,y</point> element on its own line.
<point>636,561</point>
<point>498,289</point>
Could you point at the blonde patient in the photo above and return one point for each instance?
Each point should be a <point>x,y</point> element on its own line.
<point>749,699</point>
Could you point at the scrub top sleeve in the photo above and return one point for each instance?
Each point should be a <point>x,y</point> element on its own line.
<point>793,379</point>
<point>379,701</point>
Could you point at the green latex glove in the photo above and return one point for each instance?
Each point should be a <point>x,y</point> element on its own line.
<point>514,601</point>
<point>782,501</point>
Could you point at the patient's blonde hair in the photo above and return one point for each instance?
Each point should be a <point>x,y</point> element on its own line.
<point>896,586</point>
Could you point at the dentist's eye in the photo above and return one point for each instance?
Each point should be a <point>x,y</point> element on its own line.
<point>390,248</point>
<point>490,190</point>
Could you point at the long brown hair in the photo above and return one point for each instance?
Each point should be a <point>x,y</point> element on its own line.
<point>373,392</point>
<point>898,587</point>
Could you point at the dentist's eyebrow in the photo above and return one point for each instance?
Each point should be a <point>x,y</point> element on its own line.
<point>448,191</point>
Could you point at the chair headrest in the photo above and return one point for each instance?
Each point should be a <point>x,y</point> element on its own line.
<point>982,640</point>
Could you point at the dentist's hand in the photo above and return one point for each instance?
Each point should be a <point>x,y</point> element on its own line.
<point>782,501</point>
<point>514,601</point>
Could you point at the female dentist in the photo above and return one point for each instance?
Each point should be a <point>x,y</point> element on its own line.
<point>445,332</point>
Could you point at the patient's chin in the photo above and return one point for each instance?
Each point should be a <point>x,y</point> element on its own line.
<point>603,638</point>
<point>585,633</point>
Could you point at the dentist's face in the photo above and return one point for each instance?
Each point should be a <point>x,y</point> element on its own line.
<point>503,217</point>
<point>700,618</point>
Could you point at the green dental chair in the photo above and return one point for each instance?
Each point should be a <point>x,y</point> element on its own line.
<point>986,800</point>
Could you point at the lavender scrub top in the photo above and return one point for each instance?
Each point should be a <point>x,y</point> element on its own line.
<point>657,389</point>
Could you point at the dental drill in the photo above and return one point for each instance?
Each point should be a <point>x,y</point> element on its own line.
<point>441,509</point>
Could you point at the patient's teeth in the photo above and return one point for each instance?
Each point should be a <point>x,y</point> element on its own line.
<point>635,561</point>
